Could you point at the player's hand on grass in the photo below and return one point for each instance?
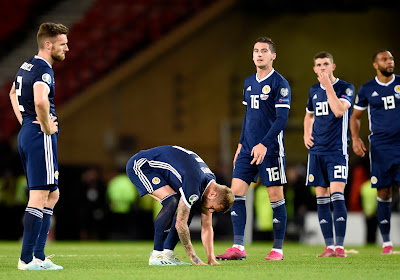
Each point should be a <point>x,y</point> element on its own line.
<point>197,261</point>
<point>213,262</point>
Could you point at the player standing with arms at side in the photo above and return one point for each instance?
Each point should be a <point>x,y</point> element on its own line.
<point>326,135</point>
<point>267,96</point>
<point>32,98</point>
<point>381,96</point>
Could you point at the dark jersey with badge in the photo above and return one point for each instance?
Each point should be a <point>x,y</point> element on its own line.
<point>331,134</point>
<point>35,70</point>
<point>262,98</point>
<point>183,169</point>
<point>383,103</point>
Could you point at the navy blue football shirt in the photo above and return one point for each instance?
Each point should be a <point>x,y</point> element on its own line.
<point>331,134</point>
<point>383,103</point>
<point>35,70</point>
<point>262,98</point>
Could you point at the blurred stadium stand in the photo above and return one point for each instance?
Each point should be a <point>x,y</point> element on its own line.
<point>102,35</point>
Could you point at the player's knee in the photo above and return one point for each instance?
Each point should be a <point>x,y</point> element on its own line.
<point>53,198</point>
<point>170,201</point>
<point>385,193</point>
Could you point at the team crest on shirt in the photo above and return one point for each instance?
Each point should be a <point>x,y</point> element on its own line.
<point>349,92</point>
<point>374,180</point>
<point>46,78</point>
<point>284,92</point>
<point>193,198</point>
<point>56,174</point>
<point>311,178</point>
<point>397,88</point>
<point>156,180</point>
<point>266,89</point>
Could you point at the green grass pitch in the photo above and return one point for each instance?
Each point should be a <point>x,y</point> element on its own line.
<point>129,260</point>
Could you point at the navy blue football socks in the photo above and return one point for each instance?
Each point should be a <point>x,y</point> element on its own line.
<point>339,216</point>
<point>32,225</point>
<point>383,212</point>
<point>173,236</point>
<point>163,221</point>
<point>238,217</point>
<point>41,242</point>
<point>279,222</point>
<point>325,219</point>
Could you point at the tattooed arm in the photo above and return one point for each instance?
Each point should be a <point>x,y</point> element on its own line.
<point>183,232</point>
<point>207,236</point>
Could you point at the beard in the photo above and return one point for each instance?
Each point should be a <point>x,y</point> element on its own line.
<point>57,57</point>
<point>385,72</point>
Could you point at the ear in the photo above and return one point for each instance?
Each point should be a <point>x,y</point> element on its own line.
<point>333,67</point>
<point>47,44</point>
<point>273,56</point>
<point>212,194</point>
<point>375,65</point>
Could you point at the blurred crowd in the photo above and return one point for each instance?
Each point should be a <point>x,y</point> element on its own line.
<point>92,208</point>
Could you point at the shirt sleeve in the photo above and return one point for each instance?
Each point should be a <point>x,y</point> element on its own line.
<point>244,118</point>
<point>348,94</point>
<point>283,95</point>
<point>190,191</point>
<point>361,102</point>
<point>282,114</point>
<point>310,106</point>
<point>43,75</point>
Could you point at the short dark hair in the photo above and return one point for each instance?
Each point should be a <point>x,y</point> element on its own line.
<point>323,54</point>
<point>378,52</point>
<point>268,41</point>
<point>50,30</point>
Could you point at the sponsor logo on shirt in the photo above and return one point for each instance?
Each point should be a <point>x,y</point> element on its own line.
<point>374,94</point>
<point>315,96</point>
<point>248,88</point>
<point>264,96</point>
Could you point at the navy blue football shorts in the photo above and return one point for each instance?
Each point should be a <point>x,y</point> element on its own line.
<point>271,170</point>
<point>145,178</point>
<point>38,153</point>
<point>323,169</point>
<point>385,167</point>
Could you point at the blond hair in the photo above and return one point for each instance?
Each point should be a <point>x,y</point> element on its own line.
<point>226,196</point>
